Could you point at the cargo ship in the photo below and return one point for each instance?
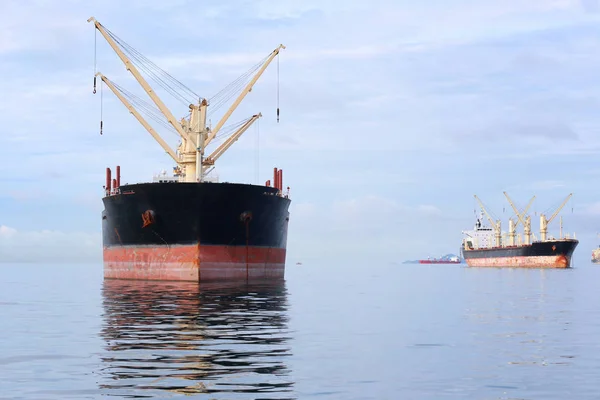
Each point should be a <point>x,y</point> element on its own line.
<point>188,226</point>
<point>487,246</point>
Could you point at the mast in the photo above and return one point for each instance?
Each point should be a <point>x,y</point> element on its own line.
<point>561,228</point>
<point>194,133</point>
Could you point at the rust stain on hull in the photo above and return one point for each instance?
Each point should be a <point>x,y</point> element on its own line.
<point>559,261</point>
<point>193,263</point>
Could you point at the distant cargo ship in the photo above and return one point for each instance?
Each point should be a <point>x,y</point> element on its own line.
<point>486,246</point>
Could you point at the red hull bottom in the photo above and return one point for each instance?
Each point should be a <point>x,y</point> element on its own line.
<point>194,263</point>
<point>521,262</point>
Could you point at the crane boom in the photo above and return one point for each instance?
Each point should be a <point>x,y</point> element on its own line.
<point>528,205</point>
<point>243,94</point>
<point>193,130</point>
<point>520,216</point>
<point>131,68</point>
<point>210,160</point>
<point>559,208</point>
<point>544,221</point>
<point>141,119</point>
<point>485,211</point>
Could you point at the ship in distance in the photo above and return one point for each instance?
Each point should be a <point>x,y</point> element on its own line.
<point>447,259</point>
<point>188,226</point>
<point>488,246</point>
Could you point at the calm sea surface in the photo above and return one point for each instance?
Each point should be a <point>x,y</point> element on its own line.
<point>332,332</point>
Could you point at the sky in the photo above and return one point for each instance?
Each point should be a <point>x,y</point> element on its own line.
<point>394,114</point>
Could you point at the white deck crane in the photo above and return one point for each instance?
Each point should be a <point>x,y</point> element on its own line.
<point>496,224</point>
<point>521,217</point>
<point>544,222</point>
<point>194,133</point>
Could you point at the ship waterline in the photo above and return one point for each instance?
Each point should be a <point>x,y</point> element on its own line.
<point>560,261</point>
<point>194,262</point>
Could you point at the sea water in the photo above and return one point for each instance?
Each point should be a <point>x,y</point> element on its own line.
<point>329,331</point>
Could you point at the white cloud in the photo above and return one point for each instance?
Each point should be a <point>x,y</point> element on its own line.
<point>7,232</point>
<point>48,246</point>
<point>361,83</point>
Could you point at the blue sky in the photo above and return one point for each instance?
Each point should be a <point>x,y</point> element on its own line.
<point>393,115</point>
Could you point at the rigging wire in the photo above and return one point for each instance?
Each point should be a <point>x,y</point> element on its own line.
<point>145,107</point>
<point>233,88</point>
<point>237,80</point>
<point>180,92</point>
<point>572,206</point>
<point>151,66</point>
<point>257,154</point>
<point>95,61</point>
<point>229,130</point>
<point>234,126</point>
<point>170,84</point>
<point>483,206</point>
<point>550,210</point>
<point>277,87</point>
<point>101,105</point>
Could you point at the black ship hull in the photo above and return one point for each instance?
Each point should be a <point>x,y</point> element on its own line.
<point>195,232</point>
<point>548,254</point>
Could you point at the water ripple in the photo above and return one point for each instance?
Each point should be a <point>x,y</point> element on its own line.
<point>186,338</point>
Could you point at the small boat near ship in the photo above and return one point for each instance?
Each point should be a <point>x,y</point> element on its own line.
<point>487,246</point>
<point>448,259</point>
<point>596,255</point>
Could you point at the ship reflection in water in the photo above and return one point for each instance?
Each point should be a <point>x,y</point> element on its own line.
<point>189,338</point>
